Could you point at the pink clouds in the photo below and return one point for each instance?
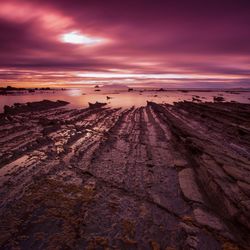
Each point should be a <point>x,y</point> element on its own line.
<point>145,38</point>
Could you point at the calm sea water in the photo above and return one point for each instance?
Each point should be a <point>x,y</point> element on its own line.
<point>79,98</point>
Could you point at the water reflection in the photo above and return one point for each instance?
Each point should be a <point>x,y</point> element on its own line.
<point>74,92</point>
<point>79,98</point>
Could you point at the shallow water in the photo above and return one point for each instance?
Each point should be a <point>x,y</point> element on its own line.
<point>79,98</point>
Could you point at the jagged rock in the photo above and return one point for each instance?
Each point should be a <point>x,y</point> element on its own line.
<point>176,174</point>
<point>219,99</point>
<point>96,105</point>
<point>33,106</point>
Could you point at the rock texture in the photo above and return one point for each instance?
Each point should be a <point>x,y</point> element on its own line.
<point>155,177</point>
<point>32,106</point>
<point>189,186</point>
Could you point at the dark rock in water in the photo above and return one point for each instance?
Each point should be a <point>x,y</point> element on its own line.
<point>108,97</point>
<point>32,106</point>
<point>97,86</point>
<point>196,99</point>
<point>150,103</point>
<point>161,89</point>
<point>130,89</point>
<point>219,99</point>
<point>3,92</point>
<point>97,105</point>
<point>97,90</point>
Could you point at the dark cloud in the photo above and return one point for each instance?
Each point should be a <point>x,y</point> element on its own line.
<point>145,37</point>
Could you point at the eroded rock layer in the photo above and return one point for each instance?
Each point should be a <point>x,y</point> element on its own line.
<point>155,177</point>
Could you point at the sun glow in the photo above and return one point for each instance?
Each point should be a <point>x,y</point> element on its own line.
<point>105,75</point>
<point>75,37</point>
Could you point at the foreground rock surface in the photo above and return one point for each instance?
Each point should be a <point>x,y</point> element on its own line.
<point>155,177</point>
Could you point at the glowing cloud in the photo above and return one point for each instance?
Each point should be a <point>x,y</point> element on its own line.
<point>75,37</point>
<point>200,43</point>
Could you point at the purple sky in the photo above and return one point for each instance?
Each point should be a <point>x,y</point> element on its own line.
<point>170,43</point>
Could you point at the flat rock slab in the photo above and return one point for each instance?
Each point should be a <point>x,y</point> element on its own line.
<point>207,219</point>
<point>189,186</point>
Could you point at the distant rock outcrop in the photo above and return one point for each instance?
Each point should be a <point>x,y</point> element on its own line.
<point>32,106</point>
<point>96,105</point>
<point>219,99</point>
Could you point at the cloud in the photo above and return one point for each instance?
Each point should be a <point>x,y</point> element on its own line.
<point>145,37</point>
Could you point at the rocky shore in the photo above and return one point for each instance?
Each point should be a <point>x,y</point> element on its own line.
<point>155,177</point>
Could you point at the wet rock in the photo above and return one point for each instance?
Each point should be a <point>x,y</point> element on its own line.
<point>97,105</point>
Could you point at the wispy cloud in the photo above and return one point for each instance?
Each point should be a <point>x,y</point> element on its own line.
<point>160,40</point>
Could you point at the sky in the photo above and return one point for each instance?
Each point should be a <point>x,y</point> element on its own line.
<point>179,44</point>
